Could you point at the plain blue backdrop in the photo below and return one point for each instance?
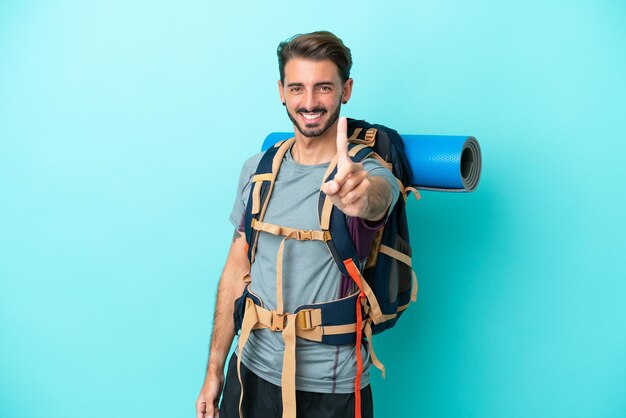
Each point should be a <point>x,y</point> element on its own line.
<point>123,127</point>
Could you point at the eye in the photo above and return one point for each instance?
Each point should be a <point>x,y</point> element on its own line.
<point>295,90</point>
<point>325,89</point>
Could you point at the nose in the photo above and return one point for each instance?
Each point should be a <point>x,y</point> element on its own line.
<point>310,100</point>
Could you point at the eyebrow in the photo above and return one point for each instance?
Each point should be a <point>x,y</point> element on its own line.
<point>321,83</point>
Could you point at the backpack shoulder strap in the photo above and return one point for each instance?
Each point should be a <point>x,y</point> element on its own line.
<point>262,185</point>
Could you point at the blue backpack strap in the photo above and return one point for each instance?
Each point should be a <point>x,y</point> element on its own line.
<point>263,184</point>
<point>336,313</point>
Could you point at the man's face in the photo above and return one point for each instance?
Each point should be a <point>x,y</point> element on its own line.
<point>312,94</point>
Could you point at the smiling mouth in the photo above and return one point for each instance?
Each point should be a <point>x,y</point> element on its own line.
<point>311,117</point>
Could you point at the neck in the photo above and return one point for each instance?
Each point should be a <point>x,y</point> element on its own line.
<point>317,149</point>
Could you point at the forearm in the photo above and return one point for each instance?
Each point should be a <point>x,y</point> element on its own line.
<point>230,287</point>
<point>378,199</point>
<point>223,329</point>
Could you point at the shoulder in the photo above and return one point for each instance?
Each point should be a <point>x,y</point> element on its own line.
<point>247,171</point>
<point>251,163</point>
<point>249,168</point>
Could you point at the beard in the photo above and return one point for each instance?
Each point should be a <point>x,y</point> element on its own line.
<point>312,130</point>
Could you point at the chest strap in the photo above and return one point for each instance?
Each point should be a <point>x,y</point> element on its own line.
<point>288,233</point>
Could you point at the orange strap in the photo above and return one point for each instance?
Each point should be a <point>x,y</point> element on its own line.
<point>356,276</point>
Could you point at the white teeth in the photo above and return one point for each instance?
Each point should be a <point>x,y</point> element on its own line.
<point>311,115</point>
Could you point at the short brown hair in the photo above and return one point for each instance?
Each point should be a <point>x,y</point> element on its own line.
<point>315,46</point>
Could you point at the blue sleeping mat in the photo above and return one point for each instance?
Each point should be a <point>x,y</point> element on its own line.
<point>442,163</point>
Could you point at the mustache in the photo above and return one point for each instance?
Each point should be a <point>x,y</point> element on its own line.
<point>315,110</point>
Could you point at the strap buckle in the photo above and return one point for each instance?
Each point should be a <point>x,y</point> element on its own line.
<point>304,321</point>
<point>370,135</point>
<point>278,321</point>
<point>302,235</point>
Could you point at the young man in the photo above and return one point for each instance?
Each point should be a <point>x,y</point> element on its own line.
<point>314,83</point>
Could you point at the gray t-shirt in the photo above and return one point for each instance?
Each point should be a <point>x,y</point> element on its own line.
<point>309,275</point>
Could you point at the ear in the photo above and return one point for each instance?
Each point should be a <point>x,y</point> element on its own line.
<point>347,91</point>
<point>281,91</point>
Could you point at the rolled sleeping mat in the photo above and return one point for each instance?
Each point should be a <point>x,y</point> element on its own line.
<point>442,163</point>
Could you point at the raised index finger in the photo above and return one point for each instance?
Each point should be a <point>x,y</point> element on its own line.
<point>342,144</point>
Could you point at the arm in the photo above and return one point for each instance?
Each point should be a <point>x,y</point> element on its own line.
<point>230,287</point>
<point>353,190</point>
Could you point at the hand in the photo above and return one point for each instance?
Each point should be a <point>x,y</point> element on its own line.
<point>208,400</point>
<point>349,190</point>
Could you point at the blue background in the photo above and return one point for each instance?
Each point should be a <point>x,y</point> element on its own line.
<point>123,127</point>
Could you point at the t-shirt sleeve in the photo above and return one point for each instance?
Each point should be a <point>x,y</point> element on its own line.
<point>243,191</point>
<point>375,168</point>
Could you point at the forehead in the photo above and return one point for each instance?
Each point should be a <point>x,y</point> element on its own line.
<point>300,70</point>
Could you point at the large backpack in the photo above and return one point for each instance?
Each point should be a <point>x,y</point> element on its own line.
<point>386,282</point>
